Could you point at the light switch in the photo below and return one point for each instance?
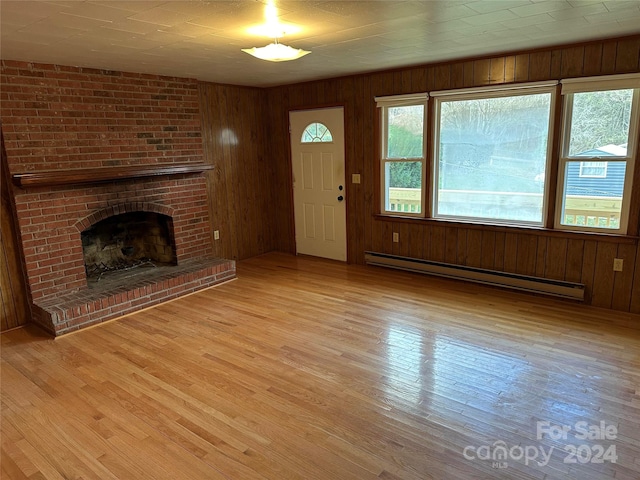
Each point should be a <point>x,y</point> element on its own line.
<point>355,178</point>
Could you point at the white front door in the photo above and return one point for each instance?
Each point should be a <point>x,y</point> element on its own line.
<point>319,200</point>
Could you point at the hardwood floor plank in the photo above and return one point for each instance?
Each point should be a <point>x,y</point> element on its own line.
<point>312,369</point>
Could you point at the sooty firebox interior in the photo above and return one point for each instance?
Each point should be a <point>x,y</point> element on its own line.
<point>127,241</point>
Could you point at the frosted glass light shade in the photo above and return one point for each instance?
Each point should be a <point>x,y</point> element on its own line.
<point>276,52</point>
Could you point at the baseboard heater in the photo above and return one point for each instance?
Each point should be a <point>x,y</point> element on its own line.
<point>515,281</point>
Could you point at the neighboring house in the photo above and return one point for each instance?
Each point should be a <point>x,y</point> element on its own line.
<point>597,178</point>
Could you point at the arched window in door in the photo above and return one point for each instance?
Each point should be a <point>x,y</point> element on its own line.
<point>316,132</point>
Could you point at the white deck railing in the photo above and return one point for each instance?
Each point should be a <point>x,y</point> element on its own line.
<point>579,210</point>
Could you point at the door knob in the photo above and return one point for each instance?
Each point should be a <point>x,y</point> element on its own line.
<point>340,198</point>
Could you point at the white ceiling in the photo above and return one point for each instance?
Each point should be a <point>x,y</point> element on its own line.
<point>202,39</point>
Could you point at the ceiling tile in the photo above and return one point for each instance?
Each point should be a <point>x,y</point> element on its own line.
<point>541,7</point>
<point>202,39</point>
<point>132,26</point>
<point>99,12</point>
<point>161,17</point>
<point>488,6</point>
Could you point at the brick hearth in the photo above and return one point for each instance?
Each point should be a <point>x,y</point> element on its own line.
<point>68,119</point>
<point>65,313</point>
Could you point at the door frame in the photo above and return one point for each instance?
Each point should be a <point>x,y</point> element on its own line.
<point>347,174</point>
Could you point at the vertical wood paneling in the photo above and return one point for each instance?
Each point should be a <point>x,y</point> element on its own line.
<point>556,260</point>
<point>234,142</point>
<point>474,247</point>
<point>496,70</point>
<point>609,52</point>
<point>572,62</point>
<point>462,246</point>
<point>541,256</point>
<point>527,250</point>
<point>511,252</point>
<point>442,77</point>
<point>623,281</point>
<point>387,237</point>
<point>573,267</point>
<point>381,84</point>
<point>550,256</point>
<point>403,247</point>
<point>488,250</point>
<point>510,69</point>
<point>402,82</point>
<point>437,243</point>
<point>368,162</point>
<point>589,267</point>
<point>419,80</point>
<point>451,245</point>
<point>522,68</point>
<point>499,253</point>
<point>468,74</point>
<point>457,75</point>
<point>628,52</point>
<point>354,129</point>
<point>15,304</point>
<point>278,157</point>
<point>593,59</point>
<point>481,71</point>
<point>331,91</point>
<point>426,242</point>
<point>556,63</point>
<point>416,235</point>
<point>539,66</point>
<point>635,288</point>
<point>377,230</point>
<point>603,274</point>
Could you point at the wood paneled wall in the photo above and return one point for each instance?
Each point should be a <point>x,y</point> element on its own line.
<point>15,305</point>
<point>581,258</point>
<point>241,186</point>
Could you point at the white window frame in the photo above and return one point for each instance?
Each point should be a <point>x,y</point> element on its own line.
<point>603,165</point>
<point>591,84</point>
<point>384,103</point>
<point>479,93</point>
<point>320,140</point>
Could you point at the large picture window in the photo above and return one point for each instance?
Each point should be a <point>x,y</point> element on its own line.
<point>491,154</point>
<point>492,149</point>
<point>403,153</point>
<point>597,153</point>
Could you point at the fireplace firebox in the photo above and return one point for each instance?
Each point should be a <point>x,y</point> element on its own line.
<point>127,241</point>
<point>100,243</point>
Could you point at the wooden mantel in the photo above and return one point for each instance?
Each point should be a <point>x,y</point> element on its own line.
<point>105,174</point>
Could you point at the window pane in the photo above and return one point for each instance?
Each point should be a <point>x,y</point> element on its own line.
<point>593,169</point>
<point>600,123</point>
<point>403,187</point>
<point>316,132</point>
<point>406,128</point>
<point>593,201</point>
<point>492,157</point>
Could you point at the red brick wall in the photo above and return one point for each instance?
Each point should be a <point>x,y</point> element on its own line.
<point>57,118</point>
<point>52,219</point>
<point>66,117</point>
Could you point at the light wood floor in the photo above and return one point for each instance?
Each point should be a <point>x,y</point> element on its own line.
<point>310,369</point>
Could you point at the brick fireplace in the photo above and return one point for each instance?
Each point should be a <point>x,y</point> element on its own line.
<point>87,147</point>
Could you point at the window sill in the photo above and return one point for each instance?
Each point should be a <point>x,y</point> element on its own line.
<point>530,230</point>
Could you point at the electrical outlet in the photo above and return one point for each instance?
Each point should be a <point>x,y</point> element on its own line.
<point>396,237</point>
<point>216,234</point>
<point>617,264</point>
<point>355,178</point>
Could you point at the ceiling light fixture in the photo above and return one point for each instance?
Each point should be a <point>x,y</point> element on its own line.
<point>276,51</point>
